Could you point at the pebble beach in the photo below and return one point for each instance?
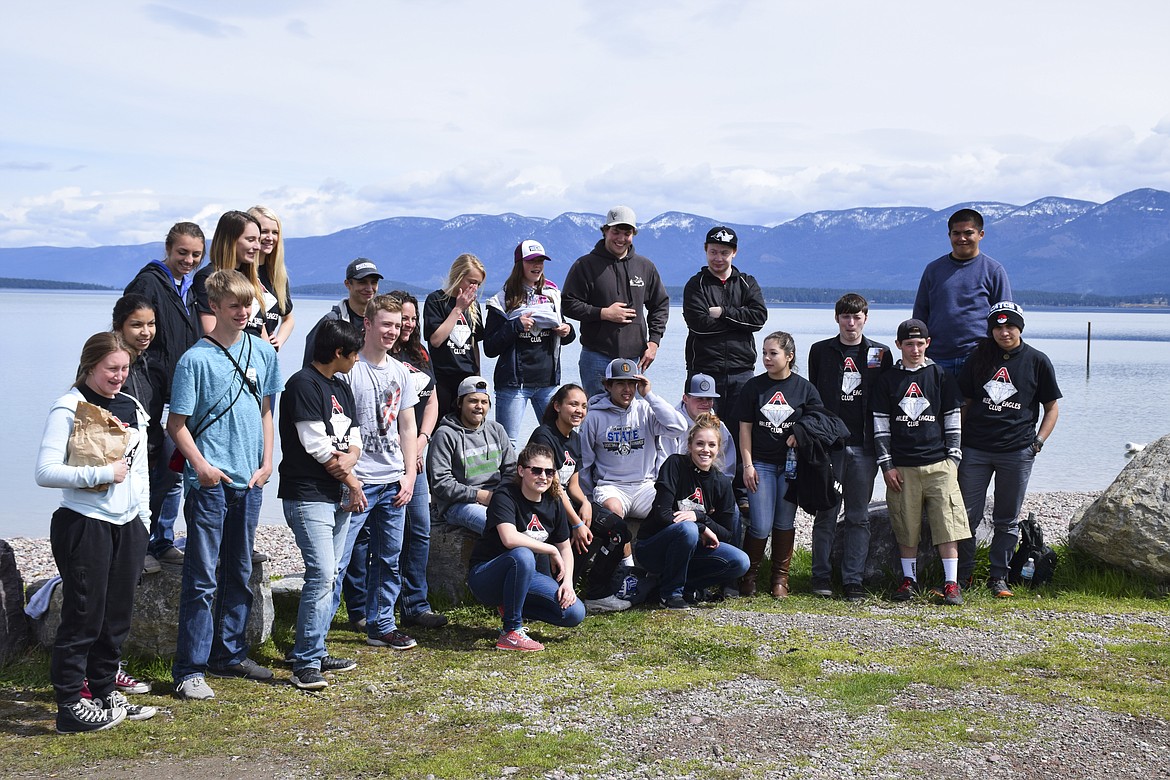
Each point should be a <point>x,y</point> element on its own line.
<point>1053,510</point>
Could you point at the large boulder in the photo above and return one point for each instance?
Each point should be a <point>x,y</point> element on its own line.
<point>154,627</point>
<point>14,628</point>
<point>448,563</point>
<point>883,566</point>
<point>1129,525</point>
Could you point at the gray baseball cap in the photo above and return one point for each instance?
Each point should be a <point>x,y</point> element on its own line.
<point>621,215</point>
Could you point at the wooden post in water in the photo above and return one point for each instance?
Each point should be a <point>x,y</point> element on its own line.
<point>1088,347</point>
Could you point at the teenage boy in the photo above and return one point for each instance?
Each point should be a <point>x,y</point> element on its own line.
<point>385,396</point>
<point>957,289</point>
<point>166,284</point>
<point>221,422</point>
<point>917,431</point>
<point>619,453</point>
<point>699,397</point>
<point>607,290</point>
<point>723,309</point>
<point>844,370</point>
<point>361,280</point>
<point>320,443</point>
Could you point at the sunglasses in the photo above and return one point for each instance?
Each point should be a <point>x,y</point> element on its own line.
<point>537,471</point>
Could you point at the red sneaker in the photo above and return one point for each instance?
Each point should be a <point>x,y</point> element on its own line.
<point>518,640</point>
<point>906,591</point>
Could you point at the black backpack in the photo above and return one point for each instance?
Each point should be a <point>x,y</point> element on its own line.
<point>1032,546</point>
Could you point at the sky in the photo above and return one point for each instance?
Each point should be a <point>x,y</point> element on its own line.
<point>120,118</point>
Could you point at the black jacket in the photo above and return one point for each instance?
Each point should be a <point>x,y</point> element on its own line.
<point>826,364</point>
<point>176,322</point>
<point>709,493</point>
<point>597,280</point>
<point>816,487</point>
<point>726,345</point>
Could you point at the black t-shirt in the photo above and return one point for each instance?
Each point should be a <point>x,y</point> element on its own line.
<point>543,521</point>
<point>423,376</point>
<point>566,449</point>
<point>310,397</point>
<point>681,486</point>
<point>772,407</point>
<point>1005,405</point>
<point>121,405</point>
<point>273,312</point>
<point>458,356</point>
<point>917,403</point>
<point>851,409</point>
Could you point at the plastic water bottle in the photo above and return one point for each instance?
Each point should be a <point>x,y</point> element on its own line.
<point>1028,571</point>
<point>790,464</point>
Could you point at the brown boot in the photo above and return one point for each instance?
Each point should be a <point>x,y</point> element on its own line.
<point>755,553</point>
<point>781,558</point>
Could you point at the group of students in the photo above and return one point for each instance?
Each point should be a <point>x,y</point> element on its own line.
<point>389,420</point>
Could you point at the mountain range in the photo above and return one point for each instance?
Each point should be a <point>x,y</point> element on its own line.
<point>1120,248</point>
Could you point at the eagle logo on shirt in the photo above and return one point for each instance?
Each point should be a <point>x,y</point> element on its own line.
<point>535,530</point>
<point>777,410</point>
<point>339,426</point>
<point>1000,388</point>
<point>460,334</point>
<point>850,377</point>
<point>913,403</point>
<point>568,466</point>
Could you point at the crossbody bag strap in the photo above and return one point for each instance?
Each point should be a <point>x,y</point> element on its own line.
<point>249,383</point>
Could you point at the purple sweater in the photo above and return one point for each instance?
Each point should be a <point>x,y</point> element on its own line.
<point>953,299</point>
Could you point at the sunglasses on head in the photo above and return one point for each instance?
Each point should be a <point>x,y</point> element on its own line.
<point>537,471</point>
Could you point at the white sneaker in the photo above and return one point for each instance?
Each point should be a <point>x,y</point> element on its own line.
<point>194,689</point>
<point>133,711</point>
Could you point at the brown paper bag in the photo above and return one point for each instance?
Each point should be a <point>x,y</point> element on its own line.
<point>98,439</point>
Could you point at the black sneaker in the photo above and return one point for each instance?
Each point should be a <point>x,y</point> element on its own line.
<point>674,602</point>
<point>952,593</point>
<point>393,639</point>
<point>84,715</point>
<point>308,679</point>
<point>425,620</point>
<point>246,669</point>
<point>999,588</point>
<point>116,700</point>
<point>855,592</point>
<point>331,664</point>
<point>822,588</point>
<point>906,591</point>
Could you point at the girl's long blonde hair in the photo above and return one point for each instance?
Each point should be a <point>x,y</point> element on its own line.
<point>460,269</point>
<point>223,248</point>
<point>275,261</point>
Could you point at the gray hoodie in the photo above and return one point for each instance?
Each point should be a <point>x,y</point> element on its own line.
<point>461,461</point>
<point>672,445</point>
<point>619,446</point>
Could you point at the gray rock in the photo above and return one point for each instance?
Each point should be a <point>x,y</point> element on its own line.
<point>286,591</point>
<point>14,628</point>
<point>448,563</point>
<point>1129,525</point>
<point>154,627</point>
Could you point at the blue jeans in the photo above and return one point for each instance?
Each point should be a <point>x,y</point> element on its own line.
<point>353,568</point>
<point>856,470</point>
<point>679,558</point>
<point>166,491</point>
<point>1012,470</point>
<point>473,517</point>
<point>512,580</point>
<point>510,402</point>
<point>320,530</point>
<point>213,610</point>
<point>953,366</point>
<point>591,366</point>
<point>769,511</point>
<point>416,551</point>
<point>383,575</point>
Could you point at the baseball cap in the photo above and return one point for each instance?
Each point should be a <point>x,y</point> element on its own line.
<point>361,268</point>
<point>621,215</point>
<point>1005,312</point>
<point>701,386</point>
<point>913,329</point>
<point>529,249</point>
<point>472,384</point>
<point>621,368</point>
<point>722,235</point>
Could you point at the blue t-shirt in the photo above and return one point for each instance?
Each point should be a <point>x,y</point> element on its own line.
<point>206,384</point>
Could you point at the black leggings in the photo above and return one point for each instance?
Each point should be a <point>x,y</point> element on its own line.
<point>597,565</point>
<point>100,564</point>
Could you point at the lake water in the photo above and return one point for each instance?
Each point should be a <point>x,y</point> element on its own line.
<point>1124,397</point>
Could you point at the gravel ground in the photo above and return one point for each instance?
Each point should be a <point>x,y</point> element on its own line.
<point>35,559</point>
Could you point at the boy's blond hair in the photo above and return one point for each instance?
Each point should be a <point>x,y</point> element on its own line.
<point>229,284</point>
